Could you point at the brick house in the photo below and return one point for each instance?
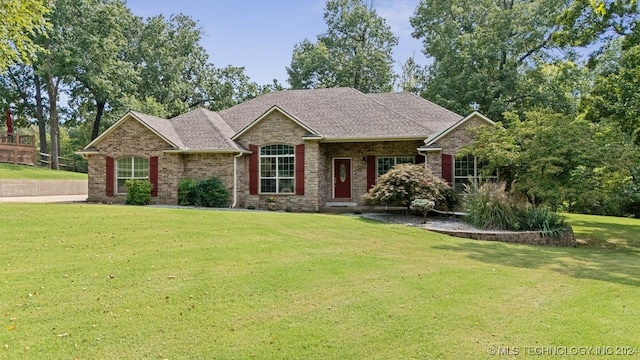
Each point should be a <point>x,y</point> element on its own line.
<point>309,148</point>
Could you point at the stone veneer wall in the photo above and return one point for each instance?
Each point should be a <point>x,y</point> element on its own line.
<point>356,152</point>
<point>567,239</point>
<point>277,128</point>
<point>133,139</point>
<point>452,143</point>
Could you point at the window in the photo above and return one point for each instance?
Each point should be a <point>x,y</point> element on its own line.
<point>468,168</point>
<point>386,163</point>
<point>130,168</point>
<point>277,169</point>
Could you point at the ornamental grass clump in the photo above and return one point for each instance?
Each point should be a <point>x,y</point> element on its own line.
<point>489,206</point>
<point>405,183</point>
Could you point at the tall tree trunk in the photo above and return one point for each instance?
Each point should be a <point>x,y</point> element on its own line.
<point>42,125</point>
<point>54,126</point>
<point>96,122</point>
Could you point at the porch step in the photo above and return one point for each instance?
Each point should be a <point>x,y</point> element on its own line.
<point>341,204</point>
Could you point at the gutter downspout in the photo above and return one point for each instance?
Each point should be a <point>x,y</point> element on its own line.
<point>425,158</point>
<point>235,180</point>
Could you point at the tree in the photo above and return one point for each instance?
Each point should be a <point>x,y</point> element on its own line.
<point>23,20</point>
<point>483,51</point>
<point>563,162</point>
<point>412,78</point>
<point>614,94</point>
<point>355,52</point>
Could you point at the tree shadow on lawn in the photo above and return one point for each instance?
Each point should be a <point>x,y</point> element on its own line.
<point>605,234</point>
<point>619,266</point>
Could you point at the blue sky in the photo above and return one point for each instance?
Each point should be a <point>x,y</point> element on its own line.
<point>260,34</point>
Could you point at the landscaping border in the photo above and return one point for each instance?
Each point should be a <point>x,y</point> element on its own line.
<point>566,239</point>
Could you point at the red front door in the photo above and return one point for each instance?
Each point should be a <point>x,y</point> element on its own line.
<point>342,178</point>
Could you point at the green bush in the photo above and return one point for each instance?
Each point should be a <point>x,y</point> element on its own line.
<point>544,220</point>
<point>211,192</point>
<point>450,199</point>
<point>488,206</point>
<point>423,205</point>
<point>138,192</point>
<point>405,183</point>
<point>186,192</point>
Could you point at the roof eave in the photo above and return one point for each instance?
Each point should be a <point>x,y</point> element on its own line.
<point>432,139</point>
<point>329,139</point>
<point>265,114</point>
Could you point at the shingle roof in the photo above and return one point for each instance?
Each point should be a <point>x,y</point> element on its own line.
<point>348,113</point>
<point>161,126</point>
<point>332,114</point>
<point>202,129</point>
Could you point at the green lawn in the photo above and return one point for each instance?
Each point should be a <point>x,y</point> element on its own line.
<point>11,171</point>
<point>121,282</point>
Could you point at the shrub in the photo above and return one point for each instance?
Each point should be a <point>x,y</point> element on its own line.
<point>423,205</point>
<point>544,220</point>
<point>138,192</point>
<point>405,183</point>
<point>451,199</point>
<point>489,207</point>
<point>208,193</point>
<point>211,193</point>
<point>186,192</point>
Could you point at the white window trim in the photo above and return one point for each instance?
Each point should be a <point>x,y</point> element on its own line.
<point>277,177</point>
<point>116,177</point>
<point>395,162</point>
<point>475,177</point>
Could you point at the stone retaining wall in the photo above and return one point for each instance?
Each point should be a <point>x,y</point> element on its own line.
<point>16,188</point>
<point>567,239</point>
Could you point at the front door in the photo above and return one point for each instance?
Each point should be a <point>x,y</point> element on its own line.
<point>342,178</point>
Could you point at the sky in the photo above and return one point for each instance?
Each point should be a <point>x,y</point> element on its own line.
<point>259,35</point>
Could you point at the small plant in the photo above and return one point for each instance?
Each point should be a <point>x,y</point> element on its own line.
<point>424,206</point>
<point>272,203</point>
<point>186,192</point>
<point>288,209</point>
<point>357,212</point>
<point>251,207</point>
<point>138,192</point>
<point>544,220</point>
<point>450,199</point>
<point>272,199</point>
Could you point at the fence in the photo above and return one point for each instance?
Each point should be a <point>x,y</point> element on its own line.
<point>75,165</point>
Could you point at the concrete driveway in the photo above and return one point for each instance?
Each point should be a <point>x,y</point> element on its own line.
<point>44,199</point>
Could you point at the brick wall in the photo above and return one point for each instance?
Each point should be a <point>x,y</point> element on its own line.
<point>452,143</point>
<point>133,139</point>
<point>277,128</point>
<point>358,151</point>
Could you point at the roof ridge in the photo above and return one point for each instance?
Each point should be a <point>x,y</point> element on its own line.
<point>228,140</point>
<point>394,111</point>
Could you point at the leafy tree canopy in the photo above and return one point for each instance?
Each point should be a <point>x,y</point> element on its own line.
<point>355,52</point>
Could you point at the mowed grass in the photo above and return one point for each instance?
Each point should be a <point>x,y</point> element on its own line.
<point>122,282</point>
<point>23,172</point>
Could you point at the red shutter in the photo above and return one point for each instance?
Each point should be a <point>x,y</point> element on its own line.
<point>371,172</point>
<point>253,170</point>
<point>109,172</point>
<point>299,169</point>
<point>447,168</point>
<point>153,175</point>
<point>419,159</point>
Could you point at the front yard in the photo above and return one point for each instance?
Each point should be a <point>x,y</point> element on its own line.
<point>92,281</point>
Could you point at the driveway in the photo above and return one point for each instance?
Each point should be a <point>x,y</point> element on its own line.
<point>44,199</point>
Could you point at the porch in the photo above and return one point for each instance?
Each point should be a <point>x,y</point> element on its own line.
<point>18,149</point>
